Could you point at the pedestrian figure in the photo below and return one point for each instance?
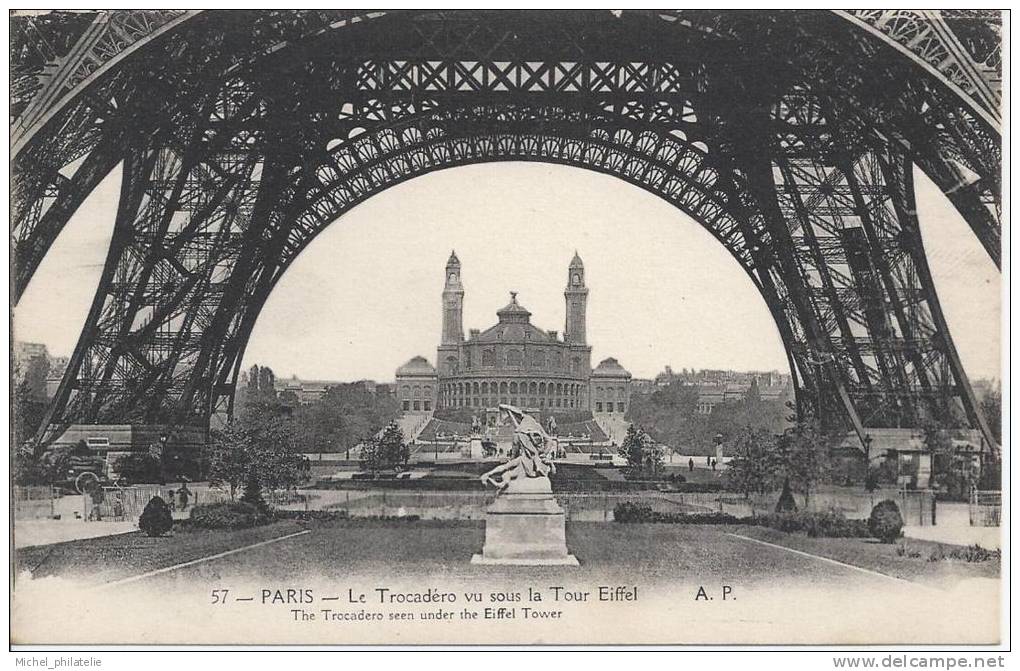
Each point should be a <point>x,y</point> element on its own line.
<point>118,506</point>
<point>171,500</point>
<point>690,464</point>
<point>184,494</point>
<point>98,496</point>
<point>713,464</point>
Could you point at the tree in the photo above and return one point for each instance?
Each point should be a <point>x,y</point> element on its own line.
<point>139,467</point>
<point>344,417</point>
<point>35,466</point>
<point>392,446</point>
<point>371,455</point>
<point>35,374</point>
<point>786,504</point>
<point>229,458</point>
<point>753,467</point>
<point>387,450</point>
<point>632,447</point>
<point>938,443</point>
<point>253,492</point>
<point>641,451</point>
<point>29,410</point>
<point>991,408</point>
<point>805,456</point>
<point>257,447</point>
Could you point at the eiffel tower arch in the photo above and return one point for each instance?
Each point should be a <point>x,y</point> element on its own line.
<point>790,136</point>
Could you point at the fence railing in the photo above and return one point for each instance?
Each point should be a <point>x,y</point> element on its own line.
<point>472,505</point>
<point>915,506</point>
<point>34,502</point>
<point>127,503</point>
<point>985,508</point>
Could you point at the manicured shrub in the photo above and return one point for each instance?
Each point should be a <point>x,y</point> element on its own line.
<point>833,524</point>
<point>830,524</point>
<point>885,522</point>
<point>253,494</point>
<point>628,512</point>
<point>308,515</point>
<point>156,519</point>
<point>786,504</point>
<point>785,522</point>
<point>227,515</point>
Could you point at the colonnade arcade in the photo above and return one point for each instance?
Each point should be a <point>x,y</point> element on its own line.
<point>526,393</point>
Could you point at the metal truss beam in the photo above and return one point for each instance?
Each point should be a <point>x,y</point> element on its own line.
<point>255,148</point>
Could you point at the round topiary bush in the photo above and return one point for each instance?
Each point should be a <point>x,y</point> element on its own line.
<point>885,522</point>
<point>156,519</point>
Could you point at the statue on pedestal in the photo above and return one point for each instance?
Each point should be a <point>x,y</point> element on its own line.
<point>525,525</point>
<point>529,457</point>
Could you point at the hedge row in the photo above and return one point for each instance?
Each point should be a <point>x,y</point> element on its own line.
<point>830,524</point>
<point>227,515</point>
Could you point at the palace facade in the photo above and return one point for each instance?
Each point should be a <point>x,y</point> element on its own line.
<point>514,361</point>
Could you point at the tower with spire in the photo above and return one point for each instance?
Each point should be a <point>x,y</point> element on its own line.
<point>453,304</point>
<point>576,295</point>
<point>448,352</point>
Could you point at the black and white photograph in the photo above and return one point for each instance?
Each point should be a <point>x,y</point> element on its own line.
<point>517,328</point>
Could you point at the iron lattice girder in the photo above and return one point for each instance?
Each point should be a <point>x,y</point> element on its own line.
<point>204,236</point>
<point>872,287</point>
<point>206,46</point>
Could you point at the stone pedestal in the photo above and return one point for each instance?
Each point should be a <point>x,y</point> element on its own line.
<point>525,526</point>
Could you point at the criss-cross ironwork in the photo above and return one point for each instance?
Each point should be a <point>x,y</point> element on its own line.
<point>790,136</point>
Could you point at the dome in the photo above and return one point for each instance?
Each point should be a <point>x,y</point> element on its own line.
<point>610,368</point>
<point>513,312</point>
<point>576,261</point>
<point>418,365</point>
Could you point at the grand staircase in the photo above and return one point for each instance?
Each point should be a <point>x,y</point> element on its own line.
<point>614,426</point>
<point>412,424</point>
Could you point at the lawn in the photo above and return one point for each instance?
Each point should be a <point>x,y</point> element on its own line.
<point>443,548</point>
<point>99,560</point>
<point>870,554</point>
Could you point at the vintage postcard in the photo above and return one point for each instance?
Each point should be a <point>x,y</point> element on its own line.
<point>506,327</point>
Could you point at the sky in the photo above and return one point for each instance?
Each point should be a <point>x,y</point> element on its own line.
<point>364,296</point>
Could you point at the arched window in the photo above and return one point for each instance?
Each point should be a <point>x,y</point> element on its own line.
<point>475,389</point>
<point>533,389</point>
<point>502,388</point>
<point>538,358</point>
<point>405,391</point>
<point>485,387</point>
<point>513,387</point>
<point>541,388</point>
<point>514,357</point>
<point>488,357</point>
